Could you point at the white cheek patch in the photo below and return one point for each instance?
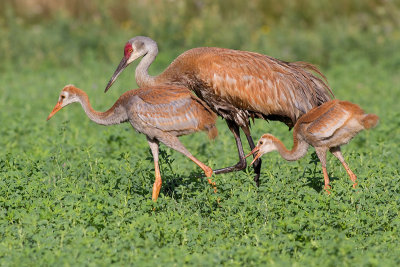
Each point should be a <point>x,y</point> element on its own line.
<point>267,147</point>
<point>65,94</point>
<point>133,57</point>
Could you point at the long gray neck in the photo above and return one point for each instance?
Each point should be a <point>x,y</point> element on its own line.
<point>115,115</point>
<point>298,151</point>
<point>142,75</point>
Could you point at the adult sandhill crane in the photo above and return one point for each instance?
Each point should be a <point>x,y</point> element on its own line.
<point>236,85</point>
<point>325,127</point>
<point>162,113</point>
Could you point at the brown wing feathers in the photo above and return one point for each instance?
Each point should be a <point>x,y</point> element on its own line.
<point>255,83</point>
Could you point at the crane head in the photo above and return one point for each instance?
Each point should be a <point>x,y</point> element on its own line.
<point>134,49</point>
<point>68,95</point>
<point>264,145</point>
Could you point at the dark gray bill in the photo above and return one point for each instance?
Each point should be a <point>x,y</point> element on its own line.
<point>122,65</point>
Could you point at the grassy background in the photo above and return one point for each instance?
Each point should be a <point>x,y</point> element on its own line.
<point>76,193</point>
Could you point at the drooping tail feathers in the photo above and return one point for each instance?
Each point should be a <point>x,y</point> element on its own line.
<point>369,121</point>
<point>322,83</point>
<point>212,131</point>
<point>208,118</point>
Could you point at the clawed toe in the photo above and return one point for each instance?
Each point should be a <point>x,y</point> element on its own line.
<point>326,187</point>
<point>213,184</point>
<point>208,172</point>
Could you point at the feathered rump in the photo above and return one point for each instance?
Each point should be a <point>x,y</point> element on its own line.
<point>369,121</point>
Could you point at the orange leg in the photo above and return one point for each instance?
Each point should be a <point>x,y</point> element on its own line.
<point>337,153</point>
<point>207,170</point>
<point>174,143</point>
<point>321,153</point>
<point>157,182</point>
<point>353,177</point>
<point>326,179</point>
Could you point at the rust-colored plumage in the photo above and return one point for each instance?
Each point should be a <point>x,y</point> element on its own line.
<point>325,127</point>
<point>241,84</point>
<point>237,85</point>
<point>162,113</point>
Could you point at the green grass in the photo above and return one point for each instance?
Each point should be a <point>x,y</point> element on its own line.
<point>73,193</point>
<point>76,193</point>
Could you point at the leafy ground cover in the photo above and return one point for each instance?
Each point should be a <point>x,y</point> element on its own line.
<point>73,192</point>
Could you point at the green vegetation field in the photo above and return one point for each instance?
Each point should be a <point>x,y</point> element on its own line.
<point>73,193</point>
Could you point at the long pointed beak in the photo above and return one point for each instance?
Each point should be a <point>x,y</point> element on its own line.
<point>252,152</point>
<point>257,155</point>
<point>56,108</point>
<point>122,65</point>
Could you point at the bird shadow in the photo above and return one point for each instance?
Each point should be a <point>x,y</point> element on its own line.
<point>121,184</point>
<point>176,185</point>
<point>313,175</point>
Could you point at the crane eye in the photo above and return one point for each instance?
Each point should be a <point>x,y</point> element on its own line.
<point>261,142</point>
<point>130,50</point>
<point>62,96</point>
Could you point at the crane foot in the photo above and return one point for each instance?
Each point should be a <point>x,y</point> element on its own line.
<point>326,189</point>
<point>238,167</point>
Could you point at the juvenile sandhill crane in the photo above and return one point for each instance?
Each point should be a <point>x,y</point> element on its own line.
<point>236,85</point>
<point>325,127</point>
<point>162,113</point>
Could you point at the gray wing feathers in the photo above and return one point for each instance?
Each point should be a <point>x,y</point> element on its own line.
<point>174,116</point>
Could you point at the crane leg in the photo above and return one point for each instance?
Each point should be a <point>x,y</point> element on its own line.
<point>174,143</point>
<point>157,183</point>
<point>337,153</point>
<point>321,153</point>
<point>207,170</point>
<point>257,163</point>
<point>326,179</point>
<point>242,161</point>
